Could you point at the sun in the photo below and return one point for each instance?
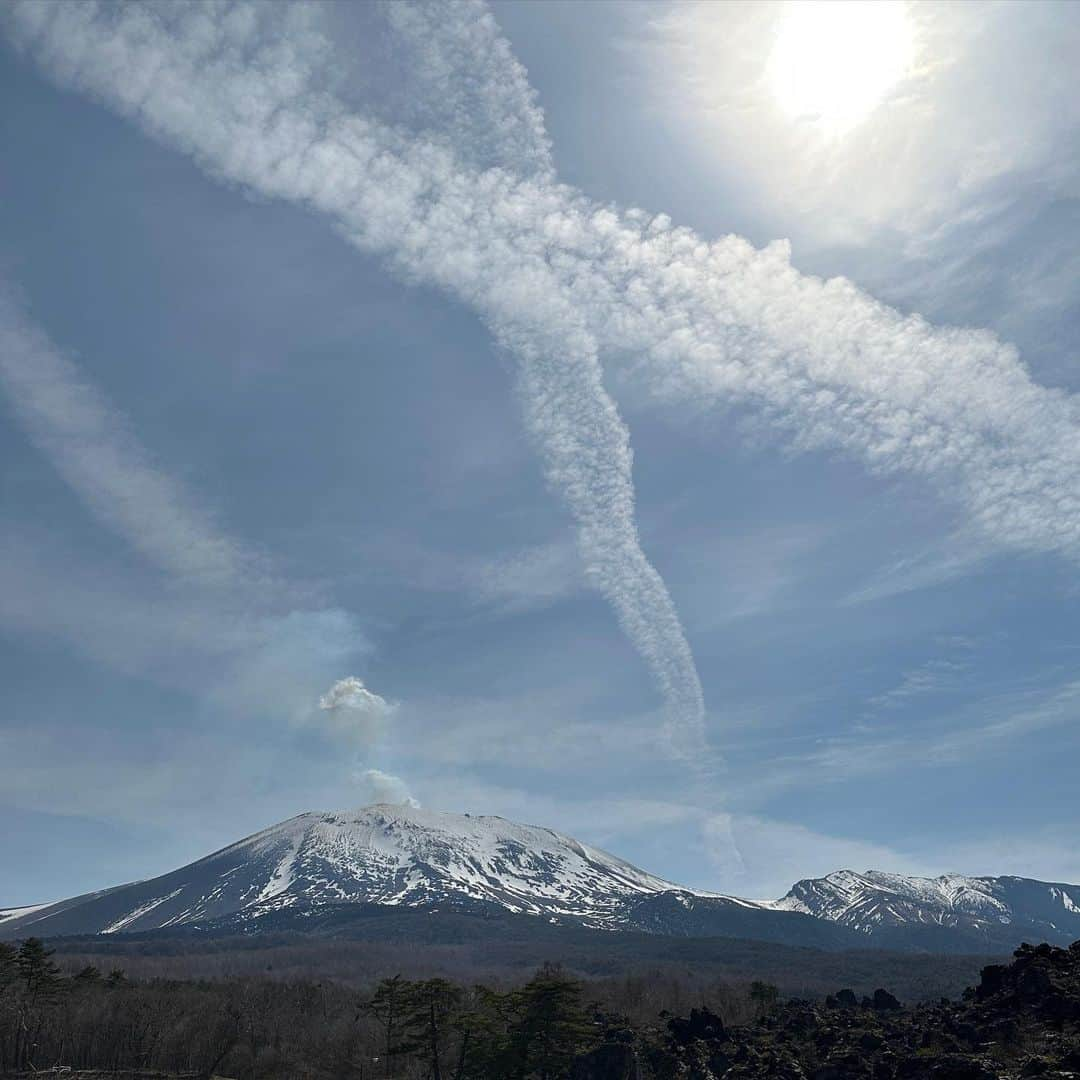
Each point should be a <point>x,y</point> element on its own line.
<point>835,60</point>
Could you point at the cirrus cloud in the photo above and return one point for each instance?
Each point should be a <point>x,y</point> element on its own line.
<point>562,280</point>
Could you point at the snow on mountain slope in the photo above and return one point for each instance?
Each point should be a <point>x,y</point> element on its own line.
<point>8,914</point>
<point>335,866</point>
<point>383,855</point>
<point>874,900</point>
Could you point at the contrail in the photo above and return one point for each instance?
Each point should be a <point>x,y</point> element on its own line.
<point>464,84</point>
<point>559,278</point>
<point>90,444</point>
<point>712,324</point>
<point>242,99</point>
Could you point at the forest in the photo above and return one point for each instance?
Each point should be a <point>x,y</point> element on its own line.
<point>263,1027</point>
<point>1021,1020</point>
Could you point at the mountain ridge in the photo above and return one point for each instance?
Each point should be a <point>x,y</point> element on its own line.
<point>318,867</point>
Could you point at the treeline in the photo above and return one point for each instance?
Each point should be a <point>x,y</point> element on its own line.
<point>550,1026</point>
<point>671,973</point>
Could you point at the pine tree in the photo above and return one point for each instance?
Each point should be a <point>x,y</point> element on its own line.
<point>39,982</point>
<point>87,976</point>
<point>388,1006</point>
<point>39,976</point>
<point>552,1027</point>
<point>9,970</point>
<point>428,1022</point>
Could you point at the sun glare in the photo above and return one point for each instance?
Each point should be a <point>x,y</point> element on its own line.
<point>834,60</point>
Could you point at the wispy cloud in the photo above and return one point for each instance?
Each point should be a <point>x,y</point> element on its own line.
<point>508,582</point>
<point>960,555</point>
<point>243,102</point>
<point>763,858</point>
<point>208,608</point>
<point>559,278</point>
<point>961,736</point>
<point>261,657</point>
<point>91,444</point>
<point>930,678</point>
<point>964,126</point>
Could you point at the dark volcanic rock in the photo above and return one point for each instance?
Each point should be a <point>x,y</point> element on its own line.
<point>703,1024</point>
<point>1022,1021</point>
<point>884,1001</point>
<point>609,1061</point>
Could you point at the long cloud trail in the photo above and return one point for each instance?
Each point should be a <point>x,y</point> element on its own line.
<point>464,84</point>
<point>91,446</point>
<point>237,93</point>
<point>217,610</point>
<point>559,278</point>
<point>722,322</point>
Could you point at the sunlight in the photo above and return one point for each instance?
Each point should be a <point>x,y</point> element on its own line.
<point>834,60</point>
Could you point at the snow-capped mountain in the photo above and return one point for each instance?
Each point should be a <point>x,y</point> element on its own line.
<point>875,902</point>
<point>388,855</point>
<point>329,869</point>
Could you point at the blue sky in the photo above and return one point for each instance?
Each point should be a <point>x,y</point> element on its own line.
<point>423,402</point>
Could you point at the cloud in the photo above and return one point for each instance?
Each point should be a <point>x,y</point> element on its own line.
<point>381,787</point>
<point>560,278</point>
<point>933,677</point>
<point>982,731</point>
<point>212,612</point>
<point>532,577</point>
<point>464,84</point>
<point>957,556</point>
<point>211,82</point>
<point>763,858</point>
<point>942,150</point>
<point>523,579</point>
<point>260,657</point>
<point>91,445</point>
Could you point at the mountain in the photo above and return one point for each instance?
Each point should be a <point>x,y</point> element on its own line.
<point>387,855</point>
<point>335,871</point>
<point>340,873</point>
<point>894,907</point>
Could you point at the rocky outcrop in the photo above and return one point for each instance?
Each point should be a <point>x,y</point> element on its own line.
<point>1021,1021</point>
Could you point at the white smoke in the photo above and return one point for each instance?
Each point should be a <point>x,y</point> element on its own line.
<point>351,710</point>
<point>380,787</point>
<point>559,277</point>
<point>350,693</point>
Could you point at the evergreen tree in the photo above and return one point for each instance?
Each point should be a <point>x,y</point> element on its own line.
<point>39,976</point>
<point>388,1006</point>
<point>428,1022</point>
<point>551,1027</point>
<point>483,1049</point>
<point>9,970</point>
<point>87,976</point>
